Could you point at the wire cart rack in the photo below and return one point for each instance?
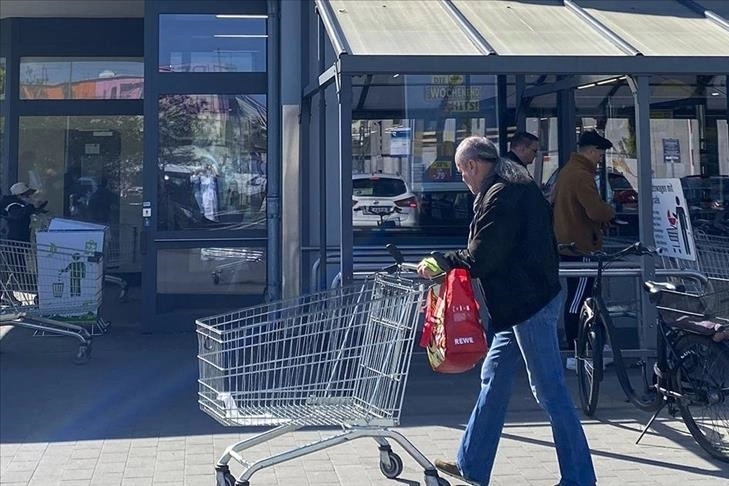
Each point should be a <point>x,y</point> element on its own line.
<point>336,358</point>
<point>40,285</point>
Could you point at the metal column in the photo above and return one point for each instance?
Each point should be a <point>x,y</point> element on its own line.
<point>346,235</point>
<point>640,85</point>
<point>321,152</point>
<point>273,193</point>
<point>567,122</point>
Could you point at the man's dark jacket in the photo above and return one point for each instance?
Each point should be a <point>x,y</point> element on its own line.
<point>512,250</point>
<point>18,215</point>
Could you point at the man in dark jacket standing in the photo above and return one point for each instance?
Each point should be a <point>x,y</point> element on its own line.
<point>512,250</point>
<point>523,148</point>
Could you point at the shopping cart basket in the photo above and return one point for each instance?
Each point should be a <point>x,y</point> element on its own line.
<point>334,358</point>
<point>713,252</point>
<point>707,304</point>
<point>34,293</point>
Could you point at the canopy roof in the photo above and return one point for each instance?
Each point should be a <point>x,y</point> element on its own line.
<point>529,36</point>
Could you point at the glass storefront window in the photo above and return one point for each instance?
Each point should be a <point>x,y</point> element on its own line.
<point>212,43</point>
<point>88,168</point>
<point>52,78</point>
<point>689,142</point>
<point>415,152</point>
<point>211,271</point>
<point>212,162</point>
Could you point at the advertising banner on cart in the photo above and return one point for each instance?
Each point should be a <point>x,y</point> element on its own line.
<point>671,223</point>
<point>70,272</point>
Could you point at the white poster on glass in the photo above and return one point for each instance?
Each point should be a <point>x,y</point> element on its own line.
<point>671,223</point>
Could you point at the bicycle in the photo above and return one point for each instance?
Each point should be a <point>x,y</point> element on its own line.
<point>691,371</point>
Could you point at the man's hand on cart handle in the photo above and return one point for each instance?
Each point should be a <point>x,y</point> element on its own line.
<point>432,266</point>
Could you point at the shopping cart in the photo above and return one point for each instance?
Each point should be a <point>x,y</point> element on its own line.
<point>713,252</point>
<point>40,286</point>
<point>232,263</point>
<point>121,254</point>
<point>334,358</point>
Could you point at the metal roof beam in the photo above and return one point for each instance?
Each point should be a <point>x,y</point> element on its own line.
<point>566,83</point>
<point>466,26</point>
<point>621,43</point>
<point>331,25</point>
<point>709,14</point>
<point>575,65</point>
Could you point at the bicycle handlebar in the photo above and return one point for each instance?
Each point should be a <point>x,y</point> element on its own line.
<point>636,248</point>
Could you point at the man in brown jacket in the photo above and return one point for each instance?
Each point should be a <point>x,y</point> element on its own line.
<point>579,217</point>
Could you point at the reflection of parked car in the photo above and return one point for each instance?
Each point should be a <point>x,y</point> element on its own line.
<point>382,200</point>
<point>708,202</point>
<point>624,196</point>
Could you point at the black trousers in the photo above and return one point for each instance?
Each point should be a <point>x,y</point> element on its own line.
<point>578,289</point>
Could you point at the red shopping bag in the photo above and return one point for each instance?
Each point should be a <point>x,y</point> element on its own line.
<point>453,335</point>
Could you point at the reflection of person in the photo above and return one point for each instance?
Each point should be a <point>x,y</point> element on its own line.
<point>103,203</point>
<point>209,192</point>
<point>512,251</point>
<point>681,215</point>
<point>196,190</point>
<point>76,272</point>
<point>579,215</point>
<point>523,148</point>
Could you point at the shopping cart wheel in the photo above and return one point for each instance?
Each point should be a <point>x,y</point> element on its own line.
<point>83,354</point>
<point>393,467</point>
<point>223,477</point>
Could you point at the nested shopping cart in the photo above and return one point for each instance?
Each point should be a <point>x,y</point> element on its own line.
<point>41,286</point>
<point>713,252</point>
<point>335,358</point>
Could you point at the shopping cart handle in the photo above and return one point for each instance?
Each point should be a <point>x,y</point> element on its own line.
<point>441,260</point>
<point>395,253</point>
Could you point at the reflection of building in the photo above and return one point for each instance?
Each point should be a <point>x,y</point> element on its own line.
<point>215,73</point>
<point>122,88</point>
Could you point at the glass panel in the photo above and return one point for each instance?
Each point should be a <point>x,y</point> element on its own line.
<point>51,78</point>
<point>2,78</point>
<point>3,162</point>
<point>212,43</point>
<point>404,175</point>
<point>211,271</point>
<point>212,162</point>
<point>89,168</point>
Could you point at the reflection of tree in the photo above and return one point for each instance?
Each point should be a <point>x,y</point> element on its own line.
<point>41,134</point>
<point>627,145</point>
<point>2,76</point>
<point>33,83</point>
<point>180,122</point>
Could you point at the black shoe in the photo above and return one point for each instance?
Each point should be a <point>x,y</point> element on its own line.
<point>451,468</point>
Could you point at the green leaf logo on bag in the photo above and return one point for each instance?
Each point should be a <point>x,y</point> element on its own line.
<point>453,335</point>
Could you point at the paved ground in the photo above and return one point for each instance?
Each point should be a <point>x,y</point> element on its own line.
<point>130,417</point>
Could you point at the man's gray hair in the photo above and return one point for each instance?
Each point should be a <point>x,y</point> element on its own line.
<point>483,150</point>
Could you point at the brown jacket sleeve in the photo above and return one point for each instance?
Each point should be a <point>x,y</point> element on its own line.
<point>588,197</point>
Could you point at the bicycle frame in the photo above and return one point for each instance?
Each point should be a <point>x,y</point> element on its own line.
<point>623,378</point>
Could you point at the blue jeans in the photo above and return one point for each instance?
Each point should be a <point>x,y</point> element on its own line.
<point>536,340</point>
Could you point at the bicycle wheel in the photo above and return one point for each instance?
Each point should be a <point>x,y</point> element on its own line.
<point>702,378</point>
<point>590,344</point>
